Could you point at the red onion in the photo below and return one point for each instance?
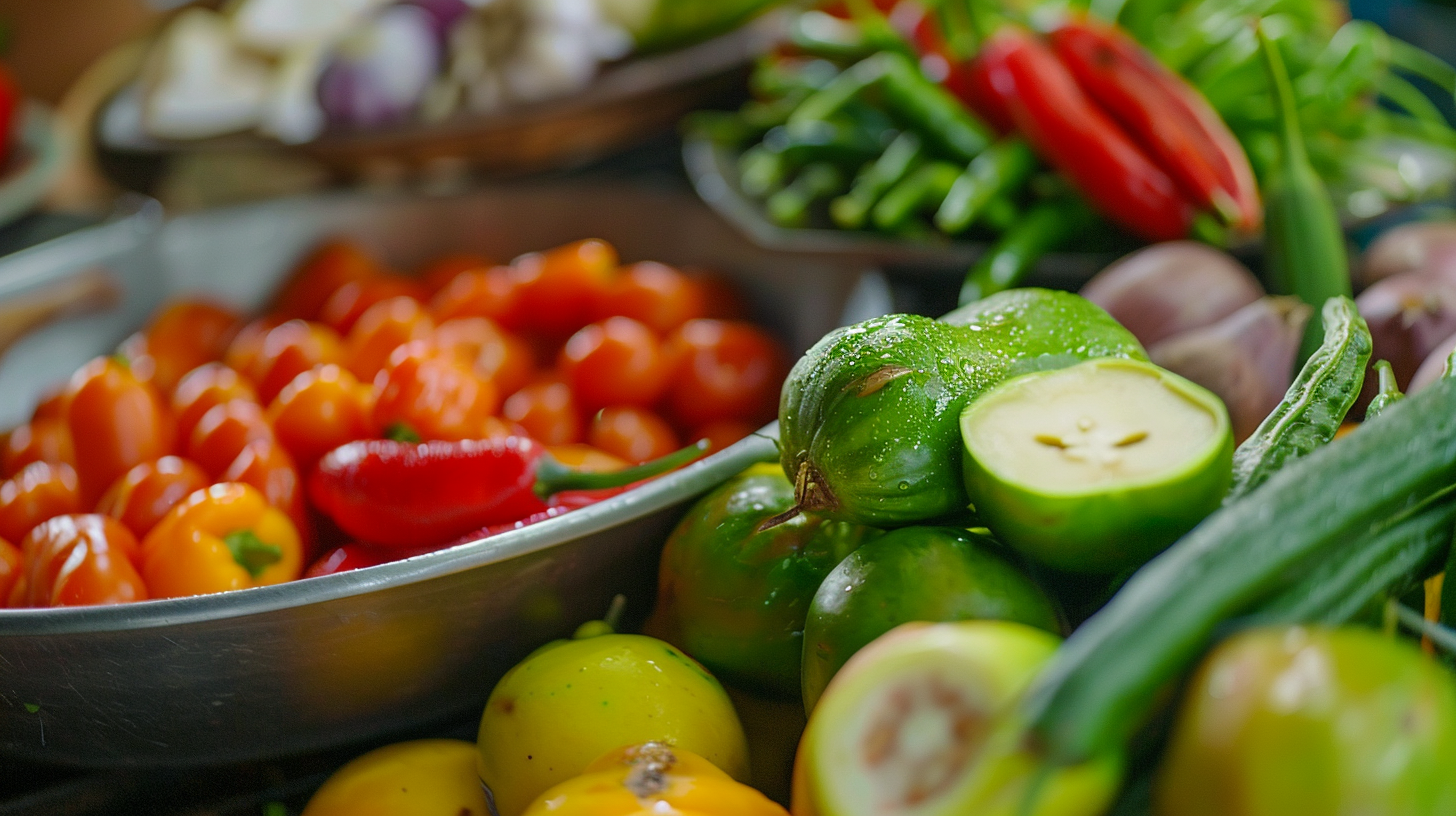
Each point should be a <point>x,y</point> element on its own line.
<point>1247,358</point>
<point>1435,365</point>
<point>1425,246</point>
<point>1409,315</point>
<point>1167,289</point>
<point>379,75</point>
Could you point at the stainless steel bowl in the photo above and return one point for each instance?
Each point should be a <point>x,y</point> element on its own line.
<point>323,662</point>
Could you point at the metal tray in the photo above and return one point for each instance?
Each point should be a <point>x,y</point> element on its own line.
<point>318,663</point>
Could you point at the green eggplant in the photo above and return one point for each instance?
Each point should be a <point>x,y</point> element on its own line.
<point>930,574</point>
<point>734,598</point>
<point>869,417</point>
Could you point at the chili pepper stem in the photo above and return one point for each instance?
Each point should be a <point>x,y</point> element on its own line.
<point>552,477</point>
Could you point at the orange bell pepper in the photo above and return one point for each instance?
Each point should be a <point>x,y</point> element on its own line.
<point>222,538</point>
<point>653,780</point>
<point>78,560</point>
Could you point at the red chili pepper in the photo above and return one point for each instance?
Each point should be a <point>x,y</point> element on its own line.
<point>401,494</point>
<point>967,81</point>
<point>1080,140</point>
<point>1168,117</point>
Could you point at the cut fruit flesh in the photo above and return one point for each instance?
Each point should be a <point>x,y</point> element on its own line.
<point>1091,427</point>
<point>917,724</point>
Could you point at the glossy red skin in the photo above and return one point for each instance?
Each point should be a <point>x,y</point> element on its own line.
<point>403,495</point>
<point>224,431</point>
<point>344,307</point>
<point>493,293</point>
<point>1074,135</point>
<point>39,440</point>
<point>967,80</point>
<point>39,492</point>
<point>559,289</point>
<point>1165,114</point>
<point>723,370</point>
<point>116,422</point>
<point>616,362</point>
<point>202,389</point>
<point>265,464</point>
<point>319,275</point>
<point>352,557</point>
<point>10,96</point>
<point>656,295</point>
<point>76,560</point>
<point>147,492</point>
<point>548,411</point>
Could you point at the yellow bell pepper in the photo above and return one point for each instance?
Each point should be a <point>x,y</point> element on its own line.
<point>421,778</point>
<point>653,779</point>
<point>224,537</point>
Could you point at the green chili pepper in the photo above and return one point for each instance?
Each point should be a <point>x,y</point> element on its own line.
<point>789,207</point>
<point>1306,245</point>
<point>1389,393</point>
<point>922,190</point>
<point>1002,168</point>
<point>1311,413</point>
<point>1043,229</point>
<point>852,210</point>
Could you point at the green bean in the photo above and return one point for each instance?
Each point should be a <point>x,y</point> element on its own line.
<point>789,207</point>
<point>998,171</point>
<point>852,210</point>
<point>1046,227</point>
<point>761,171</point>
<point>925,188</point>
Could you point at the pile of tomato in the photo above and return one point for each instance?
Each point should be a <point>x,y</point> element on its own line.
<point>178,466</point>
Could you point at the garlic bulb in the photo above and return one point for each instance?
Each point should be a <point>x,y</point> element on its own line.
<point>201,84</point>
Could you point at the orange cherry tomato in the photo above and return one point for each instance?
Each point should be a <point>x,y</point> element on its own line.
<point>432,394</point>
<point>723,370</point>
<point>724,433</point>
<point>182,337</point>
<point>587,458</point>
<point>224,431</point>
<point>493,293</point>
<point>382,328</point>
<point>616,362</point>
<point>633,434</point>
<point>243,352</point>
<point>147,492</point>
<point>38,492</point>
<point>77,560</point>
<point>52,405</point>
<point>439,273</point>
<point>289,350</point>
<point>560,288</point>
<point>11,564</point>
<point>351,300</point>
<point>495,354</point>
<point>655,295</point>
<point>265,466</point>
<point>39,440</point>
<point>116,422</point>
<point>317,412</point>
<point>320,275</point>
<point>203,388</point>
<point>547,411</point>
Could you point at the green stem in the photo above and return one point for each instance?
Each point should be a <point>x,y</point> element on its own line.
<point>552,477</point>
<point>1290,134</point>
<point>1389,393</point>
<point>251,553</point>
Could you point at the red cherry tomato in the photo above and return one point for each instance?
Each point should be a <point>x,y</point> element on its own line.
<point>116,422</point>
<point>39,440</point>
<point>722,370</point>
<point>77,560</point>
<point>384,327</point>
<point>180,338</point>
<point>289,350</point>
<point>147,492</point>
<point>203,388</point>
<point>432,394</point>
<point>439,273</point>
<point>321,274</point>
<point>634,434</point>
<point>319,411</point>
<point>38,492</point>
<point>344,307</point>
<point>616,362</point>
<point>547,411</point>
<point>560,288</point>
<point>224,431</point>
<point>52,405</point>
<point>655,295</point>
<point>493,293</point>
<point>242,353</point>
<point>266,466</point>
<point>724,433</point>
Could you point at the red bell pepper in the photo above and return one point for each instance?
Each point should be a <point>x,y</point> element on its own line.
<point>1165,115</point>
<point>1071,133</point>
<point>413,495</point>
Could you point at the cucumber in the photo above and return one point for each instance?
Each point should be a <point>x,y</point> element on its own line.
<point>870,417</point>
<point>1317,403</point>
<point>1107,676</point>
